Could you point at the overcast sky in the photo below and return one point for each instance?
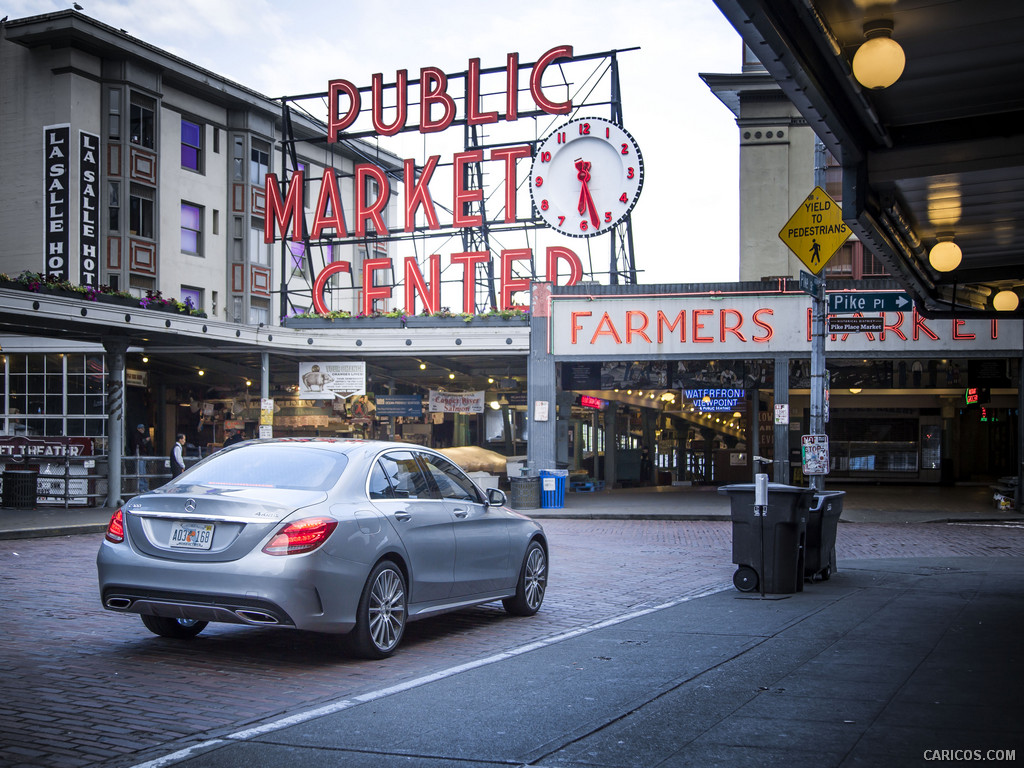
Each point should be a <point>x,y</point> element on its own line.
<point>685,224</point>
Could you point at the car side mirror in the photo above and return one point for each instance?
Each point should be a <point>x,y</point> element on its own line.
<point>496,497</point>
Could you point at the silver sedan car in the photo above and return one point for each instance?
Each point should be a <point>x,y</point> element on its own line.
<point>340,536</point>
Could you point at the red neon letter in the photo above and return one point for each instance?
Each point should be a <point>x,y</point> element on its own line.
<point>434,90</point>
<point>283,213</point>
<point>463,196</point>
<point>417,193</point>
<point>414,283</point>
<point>373,292</point>
<point>365,209</point>
<point>510,285</point>
<point>920,326</point>
<point>556,253</point>
<point>473,114</point>
<point>510,155</point>
<point>469,260</point>
<point>401,103</point>
<point>665,325</point>
<point>895,327</point>
<point>698,325</point>
<point>551,107</point>
<point>724,327</point>
<point>329,199</point>
<point>605,327</point>
<point>769,331</point>
<point>630,330</point>
<point>334,122</point>
<point>575,326</point>
<point>512,88</point>
<point>320,283</point>
<point>957,336</point>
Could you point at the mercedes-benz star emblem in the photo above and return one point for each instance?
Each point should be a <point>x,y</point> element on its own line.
<point>190,505</point>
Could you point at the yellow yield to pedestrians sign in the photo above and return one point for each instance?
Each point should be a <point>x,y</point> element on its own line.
<point>816,231</point>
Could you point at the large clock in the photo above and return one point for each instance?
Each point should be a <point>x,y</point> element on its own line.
<point>586,177</point>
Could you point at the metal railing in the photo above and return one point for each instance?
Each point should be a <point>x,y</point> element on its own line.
<point>79,480</point>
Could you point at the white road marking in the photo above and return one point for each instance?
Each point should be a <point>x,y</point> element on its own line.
<point>354,701</point>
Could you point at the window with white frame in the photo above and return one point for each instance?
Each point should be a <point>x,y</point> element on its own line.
<point>259,311</point>
<point>193,297</point>
<point>191,145</point>
<point>259,252</point>
<point>191,229</point>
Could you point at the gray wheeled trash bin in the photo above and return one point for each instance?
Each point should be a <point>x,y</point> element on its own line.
<point>525,492</point>
<point>822,522</point>
<point>769,550</point>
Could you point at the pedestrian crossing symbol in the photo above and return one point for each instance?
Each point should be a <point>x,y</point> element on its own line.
<point>816,230</point>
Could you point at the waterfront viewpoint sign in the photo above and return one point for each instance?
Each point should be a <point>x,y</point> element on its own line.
<point>744,325</point>
<point>437,111</point>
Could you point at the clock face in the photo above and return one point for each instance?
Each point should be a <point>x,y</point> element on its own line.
<point>586,177</point>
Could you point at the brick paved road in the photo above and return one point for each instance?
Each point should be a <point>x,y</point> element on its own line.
<point>82,686</point>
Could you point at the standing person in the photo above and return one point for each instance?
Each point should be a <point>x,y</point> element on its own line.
<point>178,456</point>
<point>234,437</point>
<point>140,448</point>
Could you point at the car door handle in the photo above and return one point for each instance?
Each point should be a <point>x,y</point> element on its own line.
<point>402,516</point>
<point>460,512</point>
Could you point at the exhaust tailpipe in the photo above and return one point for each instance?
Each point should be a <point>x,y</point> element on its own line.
<point>118,603</point>
<point>256,617</point>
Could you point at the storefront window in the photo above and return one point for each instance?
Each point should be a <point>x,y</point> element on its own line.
<point>54,395</point>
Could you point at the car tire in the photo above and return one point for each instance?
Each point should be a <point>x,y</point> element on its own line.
<point>381,615</point>
<point>532,584</point>
<point>178,629</point>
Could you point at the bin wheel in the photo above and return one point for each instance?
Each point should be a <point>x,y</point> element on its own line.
<point>830,568</point>
<point>745,579</point>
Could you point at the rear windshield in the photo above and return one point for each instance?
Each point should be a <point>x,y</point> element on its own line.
<point>270,465</point>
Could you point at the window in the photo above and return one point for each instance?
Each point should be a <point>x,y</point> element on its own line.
<point>114,206</point>
<point>259,162</point>
<point>259,312</point>
<point>191,146</point>
<point>192,296</point>
<point>191,229</point>
<point>405,480</point>
<point>238,159</point>
<point>54,394</point>
<point>450,480</point>
<point>259,252</point>
<point>143,121</point>
<point>141,211</point>
<point>298,258</point>
<point>114,113</point>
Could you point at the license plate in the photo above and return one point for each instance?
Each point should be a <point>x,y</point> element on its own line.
<point>191,535</point>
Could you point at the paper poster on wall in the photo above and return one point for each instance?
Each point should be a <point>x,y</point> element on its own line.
<point>540,410</point>
<point>328,380</point>
<point>456,402</point>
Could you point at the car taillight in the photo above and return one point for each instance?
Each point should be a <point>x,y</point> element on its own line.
<point>301,536</point>
<point>115,528</point>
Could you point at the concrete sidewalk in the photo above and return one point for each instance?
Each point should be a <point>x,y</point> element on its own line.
<point>862,504</point>
<point>903,662</point>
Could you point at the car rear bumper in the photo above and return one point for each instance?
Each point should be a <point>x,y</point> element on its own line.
<point>310,592</point>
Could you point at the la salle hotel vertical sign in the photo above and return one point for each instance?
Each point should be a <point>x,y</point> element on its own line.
<point>57,211</point>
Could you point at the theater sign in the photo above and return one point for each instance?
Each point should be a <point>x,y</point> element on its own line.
<point>750,325</point>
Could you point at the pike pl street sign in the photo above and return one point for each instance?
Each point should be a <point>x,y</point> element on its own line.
<point>848,302</point>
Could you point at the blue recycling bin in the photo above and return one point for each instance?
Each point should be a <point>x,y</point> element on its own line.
<point>552,488</point>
